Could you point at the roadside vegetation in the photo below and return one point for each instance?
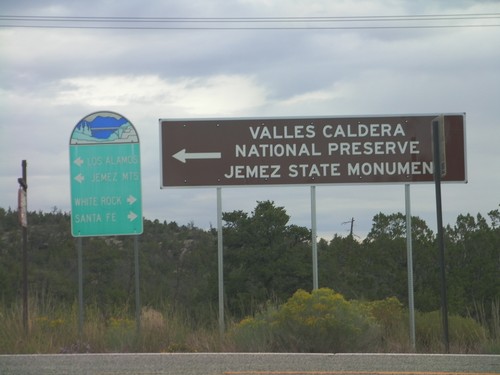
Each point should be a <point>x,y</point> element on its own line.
<point>270,306</point>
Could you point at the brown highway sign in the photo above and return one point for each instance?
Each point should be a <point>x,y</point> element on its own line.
<point>308,151</point>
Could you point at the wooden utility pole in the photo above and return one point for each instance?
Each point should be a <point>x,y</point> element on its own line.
<point>351,232</point>
<point>23,220</point>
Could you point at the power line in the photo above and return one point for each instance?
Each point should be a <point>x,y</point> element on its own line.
<point>257,19</point>
<point>248,28</point>
<point>431,21</point>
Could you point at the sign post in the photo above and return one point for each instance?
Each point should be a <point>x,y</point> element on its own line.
<point>439,173</point>
<point>409,266</point>
<point>220,262</point>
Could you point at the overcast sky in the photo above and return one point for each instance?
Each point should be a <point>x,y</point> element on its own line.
<point>50,78</point>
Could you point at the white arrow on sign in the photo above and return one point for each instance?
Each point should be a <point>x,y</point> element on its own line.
<point>131,199</point>
<point>80,177</point>
<point>182,155</point>
<point>78,161</point>
<point>131,216</point>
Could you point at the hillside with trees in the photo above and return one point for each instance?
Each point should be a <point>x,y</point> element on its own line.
<point>266,260</point>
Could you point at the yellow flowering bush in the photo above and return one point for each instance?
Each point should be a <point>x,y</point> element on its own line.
<point>121,323</point>
<point>44,323</point>
<point>255,333</point>
<point>324,321</point>
<point>392,317</point>
<point>321,321</point>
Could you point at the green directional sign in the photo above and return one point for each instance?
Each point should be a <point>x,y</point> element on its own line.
<point>105,172</point>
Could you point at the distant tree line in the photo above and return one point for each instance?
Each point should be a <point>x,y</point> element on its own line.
<point>265,259</point>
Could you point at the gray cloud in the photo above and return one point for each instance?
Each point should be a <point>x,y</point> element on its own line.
<point>51,78</point>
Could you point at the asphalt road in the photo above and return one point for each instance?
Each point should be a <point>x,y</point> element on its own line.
<point>250,364</point>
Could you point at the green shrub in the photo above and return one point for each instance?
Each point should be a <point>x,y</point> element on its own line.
<point>255,333</point>
<point>465,334</point>
<point>324,321</point>
<point>392,318</point>
<point>321,321</point>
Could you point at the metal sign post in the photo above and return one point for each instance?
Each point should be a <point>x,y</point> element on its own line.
<point>409,257</point>
<point>79,250</point>
<point>314,238</point>
<point>137,286</point>
<point>437,125</point>
<point>220,261</point>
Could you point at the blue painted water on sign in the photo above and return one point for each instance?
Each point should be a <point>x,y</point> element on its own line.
<point>104,128</point>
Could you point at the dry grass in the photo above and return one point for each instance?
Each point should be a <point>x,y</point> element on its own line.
<point>54,329</point>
